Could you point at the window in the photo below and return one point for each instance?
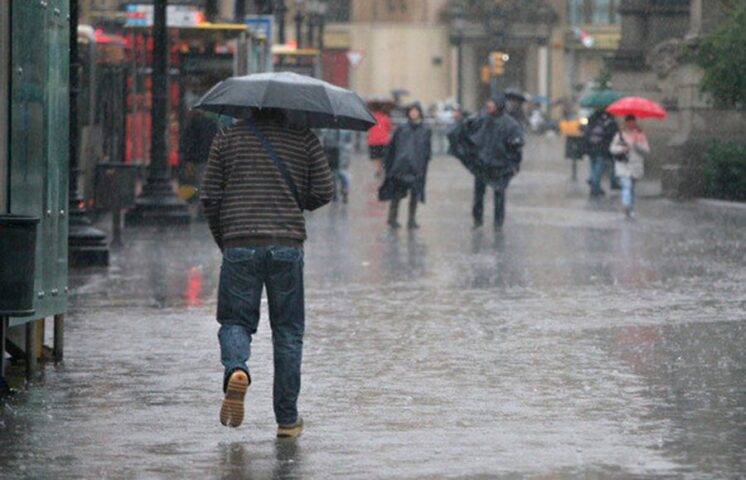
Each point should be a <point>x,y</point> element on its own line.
<point>339,11</point>
<point>593,11</point>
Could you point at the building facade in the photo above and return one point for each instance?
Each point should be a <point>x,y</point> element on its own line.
<point>556,48</point>
<point>411,45</point>
<point>651,62</point>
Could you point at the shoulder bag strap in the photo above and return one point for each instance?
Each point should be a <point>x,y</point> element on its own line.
<point>278,163</point>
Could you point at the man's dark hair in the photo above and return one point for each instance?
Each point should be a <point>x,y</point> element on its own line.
<point>267,114</point>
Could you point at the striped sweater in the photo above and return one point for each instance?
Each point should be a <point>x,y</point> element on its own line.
<point>247,201</point>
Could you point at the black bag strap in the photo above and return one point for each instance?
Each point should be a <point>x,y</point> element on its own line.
<point>278,163</point>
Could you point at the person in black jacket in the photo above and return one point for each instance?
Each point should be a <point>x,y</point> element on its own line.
<point>406,162</point>
<point>498,141</point>
<point>598,135</point>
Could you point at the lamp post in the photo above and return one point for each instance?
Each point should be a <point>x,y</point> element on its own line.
<point>311,16</point>
<point>459,24</point>
<point>87,245</point>
<point>158,204</point>
<point>497,26</point>
<point>298,23</point>
<point>239,10</point>
<point>323,8</point>
<point>280,11</point>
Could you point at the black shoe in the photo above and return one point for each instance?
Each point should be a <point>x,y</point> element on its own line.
<point>477,224</point>
<point>394,224</point>
<point>412,225</point>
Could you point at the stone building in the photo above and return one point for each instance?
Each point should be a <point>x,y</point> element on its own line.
<point>655,36</point>
<point>555,47</point>
<point>401,44</point>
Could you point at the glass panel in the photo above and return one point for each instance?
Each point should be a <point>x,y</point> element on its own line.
<point>601,11</point>
<point>575,11</point>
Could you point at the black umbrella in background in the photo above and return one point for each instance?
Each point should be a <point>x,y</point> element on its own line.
<point>304,100</point>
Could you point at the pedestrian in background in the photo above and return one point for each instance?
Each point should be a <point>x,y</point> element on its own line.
<point>378,139</point>
<point>255,214</point>
<point>598,135</point>
<point>629,149</point>
<point>194,147</point>
<point>338,149</point>
<point>406,163</point>
<point>498,139</point>
<point>514,106</point>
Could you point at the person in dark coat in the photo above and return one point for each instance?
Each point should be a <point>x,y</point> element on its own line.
<point>405,165</point>
<point>514,101</point>
<point>498,141</point>
<point>598,135</point>
<point>196,139</point>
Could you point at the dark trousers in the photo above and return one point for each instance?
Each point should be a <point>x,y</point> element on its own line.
<point>478,210</point>
<point>244,273</point>
<point>394,209</point>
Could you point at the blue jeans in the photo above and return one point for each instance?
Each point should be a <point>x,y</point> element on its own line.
<point>598,165</point>
<point>244,272</point>
<point>628,191</point>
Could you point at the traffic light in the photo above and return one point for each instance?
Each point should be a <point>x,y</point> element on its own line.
<point>485,74</point>
<point>497,62</point>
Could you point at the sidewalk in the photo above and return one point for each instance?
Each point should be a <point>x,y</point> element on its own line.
<point>573,343</point>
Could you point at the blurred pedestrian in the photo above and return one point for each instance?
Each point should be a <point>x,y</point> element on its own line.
<point>261,174</point>
<point>194,146</point>
<point>514,106</point>
<point>406,165</point>
<point>378,139</point>
<point>629,149</point>
<point>338,148</point>
<point>598,135</point>
<point>498,139</point>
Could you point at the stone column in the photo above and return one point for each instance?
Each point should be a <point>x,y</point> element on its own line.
<point>695,18</point>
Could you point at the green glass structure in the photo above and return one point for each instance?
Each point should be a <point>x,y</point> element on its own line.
<point>34,111</point>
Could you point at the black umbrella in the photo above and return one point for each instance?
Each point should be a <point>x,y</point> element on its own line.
<point>304,100</point>
<point>515,93</point>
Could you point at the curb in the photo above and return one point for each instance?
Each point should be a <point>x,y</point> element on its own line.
<point>722,204</point>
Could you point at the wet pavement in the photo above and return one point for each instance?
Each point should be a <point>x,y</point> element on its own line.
<point>572,344</point>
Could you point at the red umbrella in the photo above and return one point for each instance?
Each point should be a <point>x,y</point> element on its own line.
<point>637,106</point>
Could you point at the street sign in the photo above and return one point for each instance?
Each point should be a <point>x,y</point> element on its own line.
<point>139,15</point>
<point>261,26</point>
<point>355,57</point>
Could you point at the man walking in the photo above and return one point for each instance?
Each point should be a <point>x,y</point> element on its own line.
<point>260,176</point>
<point>498,139</point>
<point>599,133</point>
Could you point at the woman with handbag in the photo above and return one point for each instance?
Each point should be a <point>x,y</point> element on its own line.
<point>629,149</point>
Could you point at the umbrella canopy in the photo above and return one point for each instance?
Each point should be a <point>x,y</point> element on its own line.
<point>637,106</point>
<point>515,93</point>
<point>305,101</point>
<point>600,99</point>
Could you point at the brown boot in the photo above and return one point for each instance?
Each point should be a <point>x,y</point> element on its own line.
<point>290,431</point>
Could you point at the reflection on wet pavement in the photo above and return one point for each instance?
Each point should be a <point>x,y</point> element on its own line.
<point>570,344</point>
